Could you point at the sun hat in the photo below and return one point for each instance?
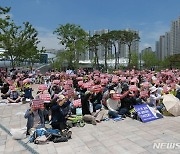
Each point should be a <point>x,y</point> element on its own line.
<point>153,89</point>
<point>87,92</point>
<point>61,97</point>
<point>112,92</point>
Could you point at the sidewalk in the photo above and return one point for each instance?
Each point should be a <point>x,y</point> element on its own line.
<point>127,136</point>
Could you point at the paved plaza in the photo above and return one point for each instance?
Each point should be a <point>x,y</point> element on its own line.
<point>126,136</point>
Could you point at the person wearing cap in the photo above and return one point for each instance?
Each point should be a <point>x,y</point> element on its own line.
<point>113,105</point>
<point>59,111</point>
<point>155,98</point>
<point>106,95</point>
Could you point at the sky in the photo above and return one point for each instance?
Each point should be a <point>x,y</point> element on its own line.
<point>151,18</point>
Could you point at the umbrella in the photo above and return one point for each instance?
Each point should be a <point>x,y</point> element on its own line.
<point>172,104</point>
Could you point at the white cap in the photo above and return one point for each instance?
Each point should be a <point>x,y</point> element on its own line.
<point>61,97</point>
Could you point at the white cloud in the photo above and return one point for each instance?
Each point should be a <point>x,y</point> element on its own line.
<point>48,40</point>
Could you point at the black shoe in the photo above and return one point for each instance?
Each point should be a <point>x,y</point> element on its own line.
<point>69,133</point>
<point>60,139</point>
<point>123,116</point>
<point>27,133</point>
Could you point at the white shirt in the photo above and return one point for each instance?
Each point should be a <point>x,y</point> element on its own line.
<point>154,98</point>
<point>113,105</point>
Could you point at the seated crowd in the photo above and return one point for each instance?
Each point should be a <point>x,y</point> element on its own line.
<point>94,95</point>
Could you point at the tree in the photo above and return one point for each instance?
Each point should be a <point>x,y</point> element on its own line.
<point>149,59</point>
<point>28,43</point>
<point>20,44</point>
<point>74,38</point>
<point>105,41</point>
<point>9,42</point>
<point>120,41</point>
<point>134,60</point>
<point>93,43</point>
<point>114,38</point>
<point>4,19</point>
<point>128,38</point>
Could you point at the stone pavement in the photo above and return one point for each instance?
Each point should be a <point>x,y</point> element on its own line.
<point>126,136</point>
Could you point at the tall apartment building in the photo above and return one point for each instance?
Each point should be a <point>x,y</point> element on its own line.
<point>169,44</point>
<point>175,37</point>
<point>160,48</point>
<point>157,49</point>
<point>149,49</point>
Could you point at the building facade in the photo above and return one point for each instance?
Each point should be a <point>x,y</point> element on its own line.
<point>175,37</point>
<point>169,43</point>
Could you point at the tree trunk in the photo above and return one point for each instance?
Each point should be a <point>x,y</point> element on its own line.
<point>105,58</point>
<point>12,62</point>
<point>115,51</point>
<point>96,60</point>
<point>118,54</point>
<point>129,55</point>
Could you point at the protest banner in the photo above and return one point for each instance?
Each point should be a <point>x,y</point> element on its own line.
<point>147,113</point>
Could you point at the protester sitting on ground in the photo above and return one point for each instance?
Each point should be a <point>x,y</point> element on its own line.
<point>96,100</point>
<point>155,98</point>
<point>13,95</point>
<point>59,111</point>
<point>113,105</point>
<point>87,108</point>
<point>4,90</point>
<point>35,118</point>
<point>178,94</point>
<point>55,89</point>
<point>27,93</point>
<point>1,80</point>
<point>106,96</point>
<point>128,101</point>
